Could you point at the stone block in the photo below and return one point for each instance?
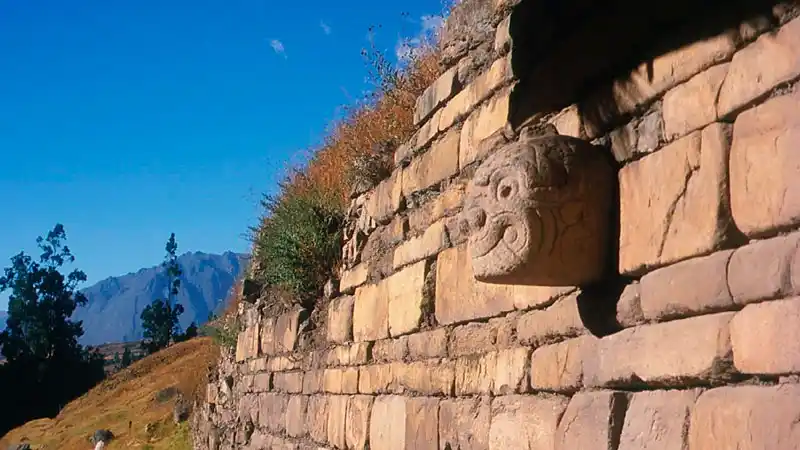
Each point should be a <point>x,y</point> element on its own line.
<point>337,419</point>
<point>771,60</point>
<point>313,381</point>
<point>387,424</point>
<point>423,377</point>
<point>353,278</point>
<point>638,137</point>
<point>475,374</point>
<point>428,344</point>
<point>272,411</point>
<point>629,306</point>
<point>445,204</point>
<point>674,203</point>
<point>562,319</point>
<point>473,338</point>
<point>262,382</point>
<point>518,234</point>
<point>375,379</point>
<point>485,121</point>
<point>506,330</point>
<point>765,188</point>
<point>480,89</point>
<point>439,163</point>
<point>657,420</point>
<point>390,349</point>
<point>464,424</point>
<point>359,353</point>
<point>762,269</point>
<point>568,122</point>
<point>592,420</point>
<point>332,381</point>
<point>267,336</point>
<point>422,424</point>
<point>247,343</point>
<point>693,105</point>
<point>436,94</point>
<point>340,319</point>
<point>286,328</point>
<point>431,242</point>
<point>357,423</point>
<point>525,422</point>
<point>316,418</point>
<point>350,380</point>
<point>502,37</point>
<point>688,288</point>
<point>420,139</point>
<point>385,199</point>
<point>511,371</point>
<point>407,298</point>
<point>559,367</point>
<point>291,382</point>
<point>680,352</point>
<point>766,338</point>
<point>296,415</point>
<point>371,313</point>
<point>283,363</point>
<point>747,417</point>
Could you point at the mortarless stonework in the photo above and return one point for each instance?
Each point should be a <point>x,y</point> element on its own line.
<point>538,212</point>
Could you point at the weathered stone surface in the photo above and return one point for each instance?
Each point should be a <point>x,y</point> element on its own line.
<point>420,139</point>
<point>506,330</point>
<point>638,137</point>
<point>262,382</point>
<point>407,298</point>
<point>539,211</point>
<point>445,204</point>
<point>525,422</point>
<point>475,92</point>
<point>472,338</point>
<point>247,343</point>
<point>657,420</point>
<point>511,371</point>
<point>502,37</point>
<point>332,381</point>
<point>693,105</point>
<point>431,242</point>
<point>267,338</point>
<point>291,382</point>
<point>427,378</point>
<point>357,423</point>
<point>559,367</point>
<point>592,420</point>
<point>337,418</point>
<point>436,94</point>
<point>340,319</point>
<point>387,424</point>
<point>678,352</point>
<point>629,306</point>
<point>296,415</point>
<point>485,121</point>
<point>312,381</point>
<point>286,329</point>
<point>371,313</point>
<point>359,353</point>
<point>422,424</point>
<point>350,380</point>
<point>691,287</point>
<point>386,198</point>
<point>747,417</point>
<point>354,278</point>
<point>375,379</point>
<point>562,319</point>
<point>765,188</point>
<point>762,269</point>
<point>283,363</point>
<point>464,424</point>
<point>428,344</point>
<point>766,63</point>
<point>390,349</point>
<point>674,202</point>
<point>766,338</point>
<point>568,122</point>
<point>439,163</point>
<point>475,374</point>
<point>272,411</point>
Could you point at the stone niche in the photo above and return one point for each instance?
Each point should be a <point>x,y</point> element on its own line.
<point>538,212</point>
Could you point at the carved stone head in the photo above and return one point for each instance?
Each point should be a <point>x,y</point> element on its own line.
<point>538,212</point>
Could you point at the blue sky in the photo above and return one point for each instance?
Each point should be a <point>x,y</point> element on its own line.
<point>127,120</point>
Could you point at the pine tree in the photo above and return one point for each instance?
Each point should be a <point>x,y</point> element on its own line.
<point>160,318</point>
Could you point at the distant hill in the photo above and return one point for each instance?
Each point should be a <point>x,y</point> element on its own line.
<point>115,304</point>
<point>3,317</point>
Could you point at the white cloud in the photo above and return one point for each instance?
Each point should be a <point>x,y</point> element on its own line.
<point>325,27</point>
<point>429,28</point>
<point>431,23</point>
<point>277,45</point>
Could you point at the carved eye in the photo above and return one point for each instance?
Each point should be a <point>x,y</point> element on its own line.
<point>506,189</point>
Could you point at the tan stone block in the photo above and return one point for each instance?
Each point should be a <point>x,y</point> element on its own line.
<point>592,420</point>
<point>296,415</point>
<point>629,306</point>
<point>428,344</point>
<point>354,278</point>
<point>771,60</point>
<point>475,92</point>
<point>337,419</point>
<point>511,371</point>
<point>431,242</point>
<point>562,319</point>
<point>212,393</point>
<point>338,356</point>
<point>657,420</point>
<point>332,381</point>
<point>693,105</point>
<point>387,424</point>
<point>568,122</point>
<point>262,382</point>
<point>436,94</point>
<point>359,352</point>
<point>475,374</point>
<point>525,422</point>
<point>422,424</point>
<point>247,343</point>
<point>283,363</point>
<point>502,37</point>
<point>407,298</point>
<point>357,423</point>
<point>762,269</point>
<point>445,204</point>
<point>371,313</point>
<point>674,202</point>
<point>257,365</point>
<point>747,417</point>
<point>765,188</point>
<point>559,367</point>
<point>464,424</point>
<point>350,380</point>
<point>766,338</point>
<point>439,163</point>
<point>390,349</point>
<point>286,329</point>
<point>688,288</point>
<point>506,330</point>
<point>375,379</point>
<point>490,118</point>
<point>385,199</point>
<point>420,139</point>
<point>423,377</point>
<point>472,338</point>
<point>668,353</point>
<point>267,336</point>
<point>272,411</point>
<point>340,319</point>
<point>313,381</point>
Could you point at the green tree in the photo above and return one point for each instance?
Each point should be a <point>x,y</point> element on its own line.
<point>127,358</point>
<point>160,318</point>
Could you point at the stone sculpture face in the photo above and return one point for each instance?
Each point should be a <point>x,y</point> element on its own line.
<point>538,212</point>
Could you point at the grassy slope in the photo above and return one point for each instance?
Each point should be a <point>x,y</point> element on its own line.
<point>126,396</point>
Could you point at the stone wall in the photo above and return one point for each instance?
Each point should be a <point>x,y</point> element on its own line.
<point>684,332</point>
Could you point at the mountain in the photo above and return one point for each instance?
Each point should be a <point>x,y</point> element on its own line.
<point>3,317</point>
<point>115,304</point>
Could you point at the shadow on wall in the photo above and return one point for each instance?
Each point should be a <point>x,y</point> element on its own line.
<point>578,47</point>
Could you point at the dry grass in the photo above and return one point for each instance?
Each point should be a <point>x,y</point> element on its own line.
<point>127,396</point>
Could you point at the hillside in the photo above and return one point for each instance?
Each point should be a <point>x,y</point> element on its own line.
<point>115,304</point>
<point>130,395</point>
